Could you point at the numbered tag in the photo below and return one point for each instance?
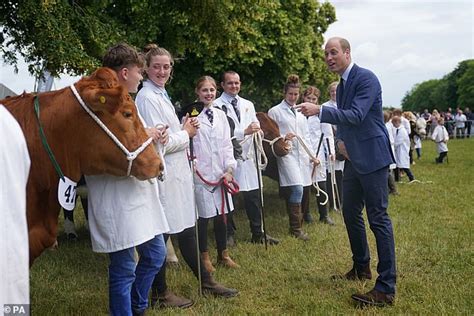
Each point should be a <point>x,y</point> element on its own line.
<point>67,193</point>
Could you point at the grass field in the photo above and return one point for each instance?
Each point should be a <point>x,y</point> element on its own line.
<point>433,224</point>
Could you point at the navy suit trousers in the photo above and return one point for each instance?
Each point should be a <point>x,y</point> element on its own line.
<point>370,190</point>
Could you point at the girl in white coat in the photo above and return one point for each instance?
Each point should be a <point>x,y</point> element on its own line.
<point>440,136</point>
<point>176,191</point>
<point>214,163</point>
<point>402,149</point>
<point>335,164</point>
<point>318,173</point>
<point>293,169</point>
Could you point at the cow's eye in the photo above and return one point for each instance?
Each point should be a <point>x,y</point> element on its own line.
<point>127,114</point>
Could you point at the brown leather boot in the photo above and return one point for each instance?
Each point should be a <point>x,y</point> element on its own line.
<point>207,262</point>
<point>225,260</point>
<point>296,221</point>
<point>169,299</point>
<point>355,274</point>
<point>210,286</point>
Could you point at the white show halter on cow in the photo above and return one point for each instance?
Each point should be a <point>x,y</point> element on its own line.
<point>130,155</point>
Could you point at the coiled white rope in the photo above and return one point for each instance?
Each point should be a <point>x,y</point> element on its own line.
<point>130,155</point>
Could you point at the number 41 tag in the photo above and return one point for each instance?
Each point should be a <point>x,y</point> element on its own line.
<point>67,193</point>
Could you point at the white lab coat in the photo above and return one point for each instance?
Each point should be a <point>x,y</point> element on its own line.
<point>316,128</point>
<point>293,168</point>
<point>338,165</point>
<point>391,137</point>
<point>176,191</point>
<point>440,136</point>
<point>406,124</point>
<point>402,147</point>
<point>123,212</point>
<point>14,258</point>
<point>214,156</point>
<point>246,171</point>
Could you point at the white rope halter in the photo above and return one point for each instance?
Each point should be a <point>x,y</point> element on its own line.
<point>130,155</point>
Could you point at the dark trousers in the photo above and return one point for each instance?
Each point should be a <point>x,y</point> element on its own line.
<point>441,157</point>
<point>407,171</point>
<point>252,209</point>
<point>187,246</point>
<point>370,190</point>
<point>339,175</point>
<point>418,153</point>
<point>220,233</point>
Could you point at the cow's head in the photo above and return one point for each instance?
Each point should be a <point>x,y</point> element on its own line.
<point>272,131</point>
<point>110,101</point>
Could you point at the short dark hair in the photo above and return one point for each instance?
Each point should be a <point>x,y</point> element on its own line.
<point>121,56</point>
<point>228,72</point>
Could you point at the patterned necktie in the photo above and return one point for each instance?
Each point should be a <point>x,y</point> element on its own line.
<point>292,110</point>
<point>210,115</point>
<point>236,108</point>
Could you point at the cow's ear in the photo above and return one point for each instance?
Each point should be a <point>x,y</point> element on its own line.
<point>100,99</point>
<point>103,92</point>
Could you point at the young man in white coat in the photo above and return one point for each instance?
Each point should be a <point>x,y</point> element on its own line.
<point>242,113</point>
<point>126,214</point>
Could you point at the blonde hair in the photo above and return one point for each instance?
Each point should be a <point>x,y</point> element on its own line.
<point>200,82</point>
<point>332,84</point>
<point>152,49</point>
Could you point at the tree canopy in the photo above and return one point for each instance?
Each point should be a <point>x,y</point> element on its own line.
<point>263,40</point>
<point>456,89</point>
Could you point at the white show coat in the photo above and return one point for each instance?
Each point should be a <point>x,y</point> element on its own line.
<point>123,212</point>
<point>294,167</point>
<point>176,191</point>
<point>316,128</point>
<point>14,258</point>
<point>440,136</point>
<point>391,137</point>
<point>214,156</point>
<point>338,165</point>
<point>402,147</point>
<point>246,171</point>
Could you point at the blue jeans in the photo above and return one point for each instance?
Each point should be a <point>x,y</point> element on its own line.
<point>296,194</point>
<point>129,283</point>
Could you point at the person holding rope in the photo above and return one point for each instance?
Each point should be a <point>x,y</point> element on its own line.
<point>213,180</point>
<point>126,214</point>
<point>318,132</point>
<point>334,167</point>
<point>242,113</point>
<point>363,139</point>
<point>176,191</point>
<point>293,169</point>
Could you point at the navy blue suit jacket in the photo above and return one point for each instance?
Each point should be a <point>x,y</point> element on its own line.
<point>359,120</point>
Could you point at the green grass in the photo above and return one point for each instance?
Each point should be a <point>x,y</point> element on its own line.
<point>433,223</point>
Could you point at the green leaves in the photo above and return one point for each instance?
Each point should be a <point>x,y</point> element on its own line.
<point>264,40</point>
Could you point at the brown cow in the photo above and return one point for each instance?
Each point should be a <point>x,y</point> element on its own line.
<point>280,147</point>
<point>79,145</point>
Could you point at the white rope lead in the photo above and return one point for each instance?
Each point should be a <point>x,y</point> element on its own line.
<point>130,155</point>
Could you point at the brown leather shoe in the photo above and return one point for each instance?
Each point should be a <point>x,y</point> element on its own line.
<point>374,298</point>
<point>260,239</point>
<point>355,274</point>
<point>225,260</point>
<point>212,287</point>
<point>169,299</point>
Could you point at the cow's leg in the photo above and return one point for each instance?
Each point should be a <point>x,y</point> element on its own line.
<point>39,240</point>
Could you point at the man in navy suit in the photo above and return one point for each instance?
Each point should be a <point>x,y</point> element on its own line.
<point>363,139</point>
